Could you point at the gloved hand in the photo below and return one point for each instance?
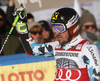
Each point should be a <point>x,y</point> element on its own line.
<point>21,12</point>
<point>21,24</point>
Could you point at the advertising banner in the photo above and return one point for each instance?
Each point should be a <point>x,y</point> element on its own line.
<point>37,71</point>
<point>21,67</point>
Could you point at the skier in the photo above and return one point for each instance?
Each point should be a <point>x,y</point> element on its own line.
<point>76,59</point>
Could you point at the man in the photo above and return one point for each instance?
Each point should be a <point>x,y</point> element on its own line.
<point>76,58</point>
<point>30,18</point>
<point>88,22</point>
<point>88,27</point>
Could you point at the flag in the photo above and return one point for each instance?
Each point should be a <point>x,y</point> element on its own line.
<point>77,7</point>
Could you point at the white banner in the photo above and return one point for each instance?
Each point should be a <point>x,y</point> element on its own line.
<point>37,5</point>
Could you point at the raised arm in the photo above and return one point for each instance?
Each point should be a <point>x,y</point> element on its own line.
<point>29,45</point>
<point>21,28</point>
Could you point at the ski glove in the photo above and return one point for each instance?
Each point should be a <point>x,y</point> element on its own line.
<point>21,12</point>
<point>21,26</point>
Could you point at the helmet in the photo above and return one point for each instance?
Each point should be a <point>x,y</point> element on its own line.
<point>67,17</point>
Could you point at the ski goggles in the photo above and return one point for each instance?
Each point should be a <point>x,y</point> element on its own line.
<point>59,28</point>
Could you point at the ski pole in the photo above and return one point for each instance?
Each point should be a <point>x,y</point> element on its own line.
<point>13,25</point>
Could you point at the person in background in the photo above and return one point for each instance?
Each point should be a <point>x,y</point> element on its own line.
<point>88,26</point>
<point>35,30</point>
<point>88,22</point>
<point>47,33</point>
<point>3,26</point>
<point>30,18</point>
<point>13,43</point>
<point>89,30</point>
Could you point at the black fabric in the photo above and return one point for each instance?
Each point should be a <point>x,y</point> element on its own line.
<point>25,44</point>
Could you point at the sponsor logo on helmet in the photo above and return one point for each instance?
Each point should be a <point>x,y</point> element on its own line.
<point>72,21</point>
<point>55,15</point>
<point>77,27</point>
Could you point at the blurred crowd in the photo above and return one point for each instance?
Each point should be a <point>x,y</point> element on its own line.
<point>41,31</point>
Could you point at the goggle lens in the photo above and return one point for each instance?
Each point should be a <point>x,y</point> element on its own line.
<point>59,28</point>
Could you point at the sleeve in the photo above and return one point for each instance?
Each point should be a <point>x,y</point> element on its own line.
<point>9,16</point>
<point>25,44</point>
<point>41,49</point>
<point>92,61</point>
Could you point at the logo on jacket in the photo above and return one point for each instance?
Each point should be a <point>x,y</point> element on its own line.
<point>93,55</point>
<point>79,46</point>
<point>67,54</point>
<point>70,75</point>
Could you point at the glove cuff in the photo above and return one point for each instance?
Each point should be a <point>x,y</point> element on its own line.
<point>22,28</point>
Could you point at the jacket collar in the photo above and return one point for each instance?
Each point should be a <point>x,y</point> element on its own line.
<point>73,42</point>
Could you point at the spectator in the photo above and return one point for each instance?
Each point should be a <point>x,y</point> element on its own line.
<point>88,22</point>
<point>35,30</point>
<point>2,21</point>
<point>88,26</point>
<point>30,18</point>
<point>89,30</point>
<point>98,36</point>
<point>47,33</point>
<point>12,43</point>
<point>2,26</point>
